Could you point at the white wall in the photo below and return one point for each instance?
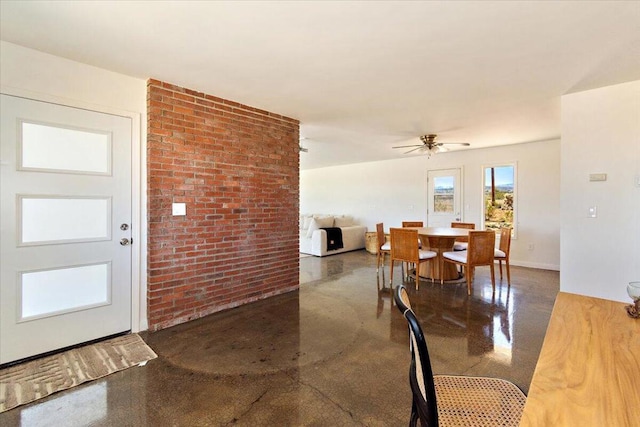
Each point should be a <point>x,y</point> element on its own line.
<point>37,75</point>
<point>395,190</point>
<point>601,134</point>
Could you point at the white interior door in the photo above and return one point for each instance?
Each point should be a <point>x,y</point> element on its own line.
<point>444,197</point>
<point>65,195</point>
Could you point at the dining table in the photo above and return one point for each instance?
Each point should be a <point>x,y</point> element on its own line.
<point>440,240</point>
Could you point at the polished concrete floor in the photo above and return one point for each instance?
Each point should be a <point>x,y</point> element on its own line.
<point>334,353</point>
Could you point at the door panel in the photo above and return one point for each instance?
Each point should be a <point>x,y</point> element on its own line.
<point>50,219</point>
<point>51,147</point>
<point>65,190</point>
<point>444,197</point>
<point>46,293</point>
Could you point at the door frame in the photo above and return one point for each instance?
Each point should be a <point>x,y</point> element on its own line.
<point>460,185</point>
<point>138,190</point>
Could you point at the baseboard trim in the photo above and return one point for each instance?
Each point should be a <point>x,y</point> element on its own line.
<point>537,265</point>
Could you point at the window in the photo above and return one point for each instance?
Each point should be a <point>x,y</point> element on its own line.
<point>443,194</point>
<point>499,197</point>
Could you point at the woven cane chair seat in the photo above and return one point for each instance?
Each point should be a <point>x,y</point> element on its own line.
<point>477,401</point>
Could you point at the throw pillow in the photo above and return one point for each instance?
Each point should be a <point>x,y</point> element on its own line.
<point>317,223</point>
<point>313,226</point>
<point>306,221</point>
<point>343,221</point>
<point>326,221</point>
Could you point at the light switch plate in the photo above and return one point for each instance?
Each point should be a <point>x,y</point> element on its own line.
<point>597,177</point>
<point>179,209</point>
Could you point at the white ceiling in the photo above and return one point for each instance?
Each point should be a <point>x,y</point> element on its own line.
<point>360,76</point>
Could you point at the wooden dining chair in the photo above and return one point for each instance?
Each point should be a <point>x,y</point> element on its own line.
<point>384,247</point>
<point>454,400</point>
<point>481,251</point>
<point>502,254</point>
<point>412,224</point>
<point>461,242</point>
<point>404,248</point>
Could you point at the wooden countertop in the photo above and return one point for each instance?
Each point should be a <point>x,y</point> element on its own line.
<point>588,373</point>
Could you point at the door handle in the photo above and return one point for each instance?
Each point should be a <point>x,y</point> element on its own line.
<point>125,242</point>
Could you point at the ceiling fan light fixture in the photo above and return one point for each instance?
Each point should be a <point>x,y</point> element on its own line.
<point>429,139</point>
<point>430,146</point>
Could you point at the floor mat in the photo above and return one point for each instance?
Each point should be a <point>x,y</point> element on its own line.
<point>39,378</point>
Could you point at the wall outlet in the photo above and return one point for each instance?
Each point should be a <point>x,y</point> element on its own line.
<point>531,246</point>
<point>593,212</point>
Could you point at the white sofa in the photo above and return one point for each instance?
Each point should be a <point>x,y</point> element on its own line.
<point>313,240</point>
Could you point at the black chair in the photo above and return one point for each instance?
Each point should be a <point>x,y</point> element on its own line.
<point>454,400</point>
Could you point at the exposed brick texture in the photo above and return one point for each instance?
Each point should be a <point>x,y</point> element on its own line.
<point>237,169</point>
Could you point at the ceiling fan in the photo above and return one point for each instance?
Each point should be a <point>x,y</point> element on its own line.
<point>430,146</point>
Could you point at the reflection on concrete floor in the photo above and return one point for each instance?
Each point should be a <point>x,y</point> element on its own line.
<point>333,353</point>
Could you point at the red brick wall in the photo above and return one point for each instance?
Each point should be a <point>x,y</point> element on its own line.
<point>237,170</point>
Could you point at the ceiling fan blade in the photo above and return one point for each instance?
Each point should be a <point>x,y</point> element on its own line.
<point>407,146</point>
<point>417,148</point>
<point>466,144</point>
